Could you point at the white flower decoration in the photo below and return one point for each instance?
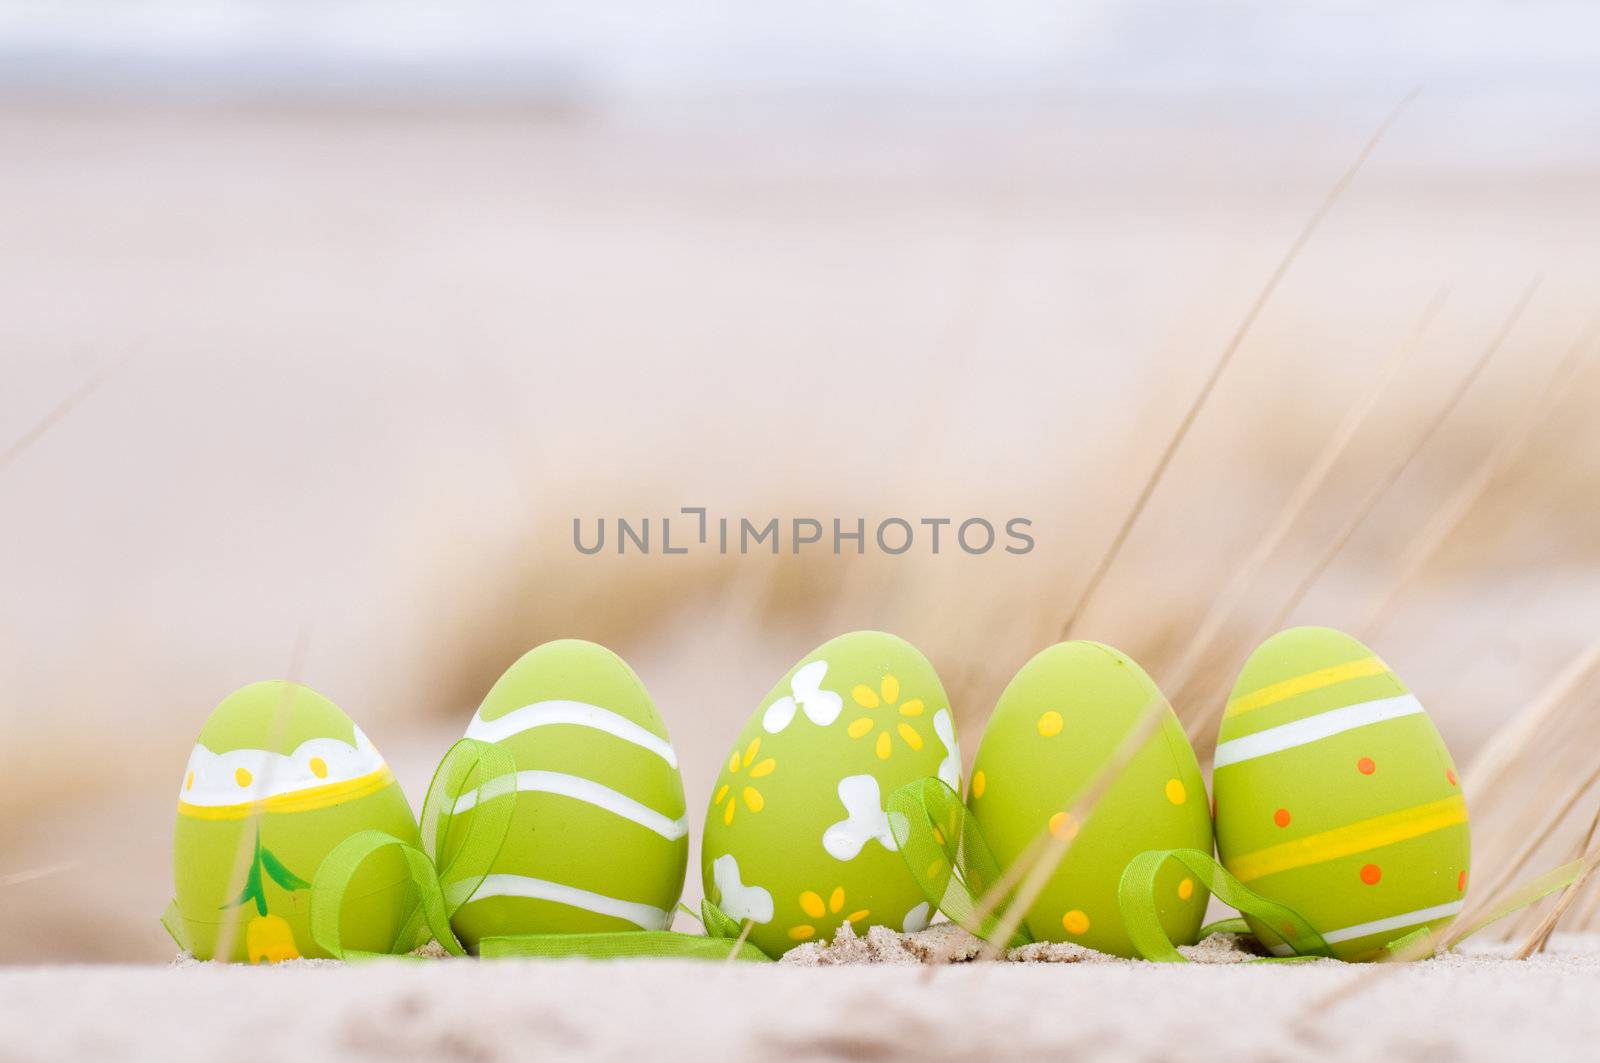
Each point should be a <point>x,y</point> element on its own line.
<point>821,707</point>
<point>865,820</point>
<point>739,902</point>
<point>916,919</point>
<point>950,766</point>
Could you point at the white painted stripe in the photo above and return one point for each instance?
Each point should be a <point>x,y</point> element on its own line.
<point>641,915</point>
<point>580,789</point>
<point>577,713</point>
<point>1404,921</point>
<point>1314,728</point>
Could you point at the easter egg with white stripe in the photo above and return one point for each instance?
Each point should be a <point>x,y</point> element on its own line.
<point>597,839</point>
<point>277,778</point>
<point>1059,723</point>
<point>1336,796</point>
<point>797,835</point>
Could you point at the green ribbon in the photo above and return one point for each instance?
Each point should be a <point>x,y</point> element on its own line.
<point>1136,896</point>
<point>632,944</point>
<point>948,857</point>
<point>440,889</point>
<point>450,866</point>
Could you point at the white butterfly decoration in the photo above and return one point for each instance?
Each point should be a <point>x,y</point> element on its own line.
<point>821,707</point>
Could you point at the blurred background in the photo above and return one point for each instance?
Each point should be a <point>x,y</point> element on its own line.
<point>321,321</point>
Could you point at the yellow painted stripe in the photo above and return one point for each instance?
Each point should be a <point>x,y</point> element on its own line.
<point>1300,684</point>
<point>296,800</point>
<point>1351,838</point>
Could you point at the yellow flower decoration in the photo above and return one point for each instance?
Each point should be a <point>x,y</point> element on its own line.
<point>813,905</point>
<point>887,696</point>
<point>757,770</point>
<point>268,939</point>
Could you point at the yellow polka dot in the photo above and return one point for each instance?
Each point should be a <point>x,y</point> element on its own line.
<point>1175,792</point>
<point>319,767</point>
<point>733,761</point>
<point>864,696</point>
<point>935,869</point>
<point>753,800</point>
<point>859,726</point>
<point>802,933</point>
<point>979,781</point>
<point>890,689</point>
<point>883,748</point>
<point>938,835</point>
<point>913,707</point>
<point>856,917</point>
<point>1075,922</point>
<point>1063,826</point>
<point>910,735</point>
<point>750,753</point>
<point>188,784</point>
<point>1050,724</point>
<point>836,899</point>
<point>1186,889</point>
<point>241,776</point>
<point>811,904</point>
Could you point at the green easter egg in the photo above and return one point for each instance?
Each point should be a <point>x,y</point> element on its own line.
<point>598,840</point>
<point>1336,796</point>
<point>278,777</point>
<point>1058,722</point>
<point>797,839</point>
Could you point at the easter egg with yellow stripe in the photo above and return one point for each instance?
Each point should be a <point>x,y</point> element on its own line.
<point>598,840</point>
<point>1059,722</point>
<point>1336,796</point>
<point>797,834</point>
<point>277,778</point>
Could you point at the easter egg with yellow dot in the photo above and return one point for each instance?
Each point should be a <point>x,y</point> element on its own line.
<point>1059,721</point>
<point>278,777</point>
<point>598,839</point>
<point>1336,796</point>
<point>797,836</point>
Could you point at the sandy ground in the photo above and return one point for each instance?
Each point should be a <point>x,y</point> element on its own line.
<point>1476,1006</point>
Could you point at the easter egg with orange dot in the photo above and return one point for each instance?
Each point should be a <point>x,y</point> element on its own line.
<point>797,836</point>
<point>278,777</point>
<point>1059,721</point>
<point>598,839</point>
<point>1337,797</point>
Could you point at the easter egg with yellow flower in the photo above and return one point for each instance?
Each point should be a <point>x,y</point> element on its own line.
<point>278,777</point>
<point>598,838</point>
<point>797,836</point>
<point>1336,797</point>
<point>1061,720</point>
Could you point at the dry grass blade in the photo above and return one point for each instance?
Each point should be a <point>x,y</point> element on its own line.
<point>1056,846</point>
<point>1103,566</point>
<point>1535,842</point>
<point>1450,516</point>
<point>1239,585</point>
<point>1493,761</point>
<point>54,417</point>
<point>33,874</point>
<point>1370,500</point>
<point>738,944</point>
<point>227,932</point>
<point>1547,926</point>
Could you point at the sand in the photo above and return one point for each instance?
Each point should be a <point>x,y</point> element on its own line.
<point>1476,1005</point>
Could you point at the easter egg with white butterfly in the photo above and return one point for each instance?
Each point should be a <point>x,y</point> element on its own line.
<point>1337,797</point>
<point>598,839</point>
<point>278,777</point>
<point>797,835</point>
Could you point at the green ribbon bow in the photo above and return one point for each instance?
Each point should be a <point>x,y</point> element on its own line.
<point>949,858</point>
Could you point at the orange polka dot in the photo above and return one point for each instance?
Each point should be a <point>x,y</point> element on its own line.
<point>1451,775</point>
<point>1461,882</point>
<point>979,781</point>
<point>1281,817</point>
<point>1287,930</point>
<point>1186,889</point>
<point>1371,873</point>
<point>1063,826</point>
<point>1365,766</point>
<point>1075,922</point>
